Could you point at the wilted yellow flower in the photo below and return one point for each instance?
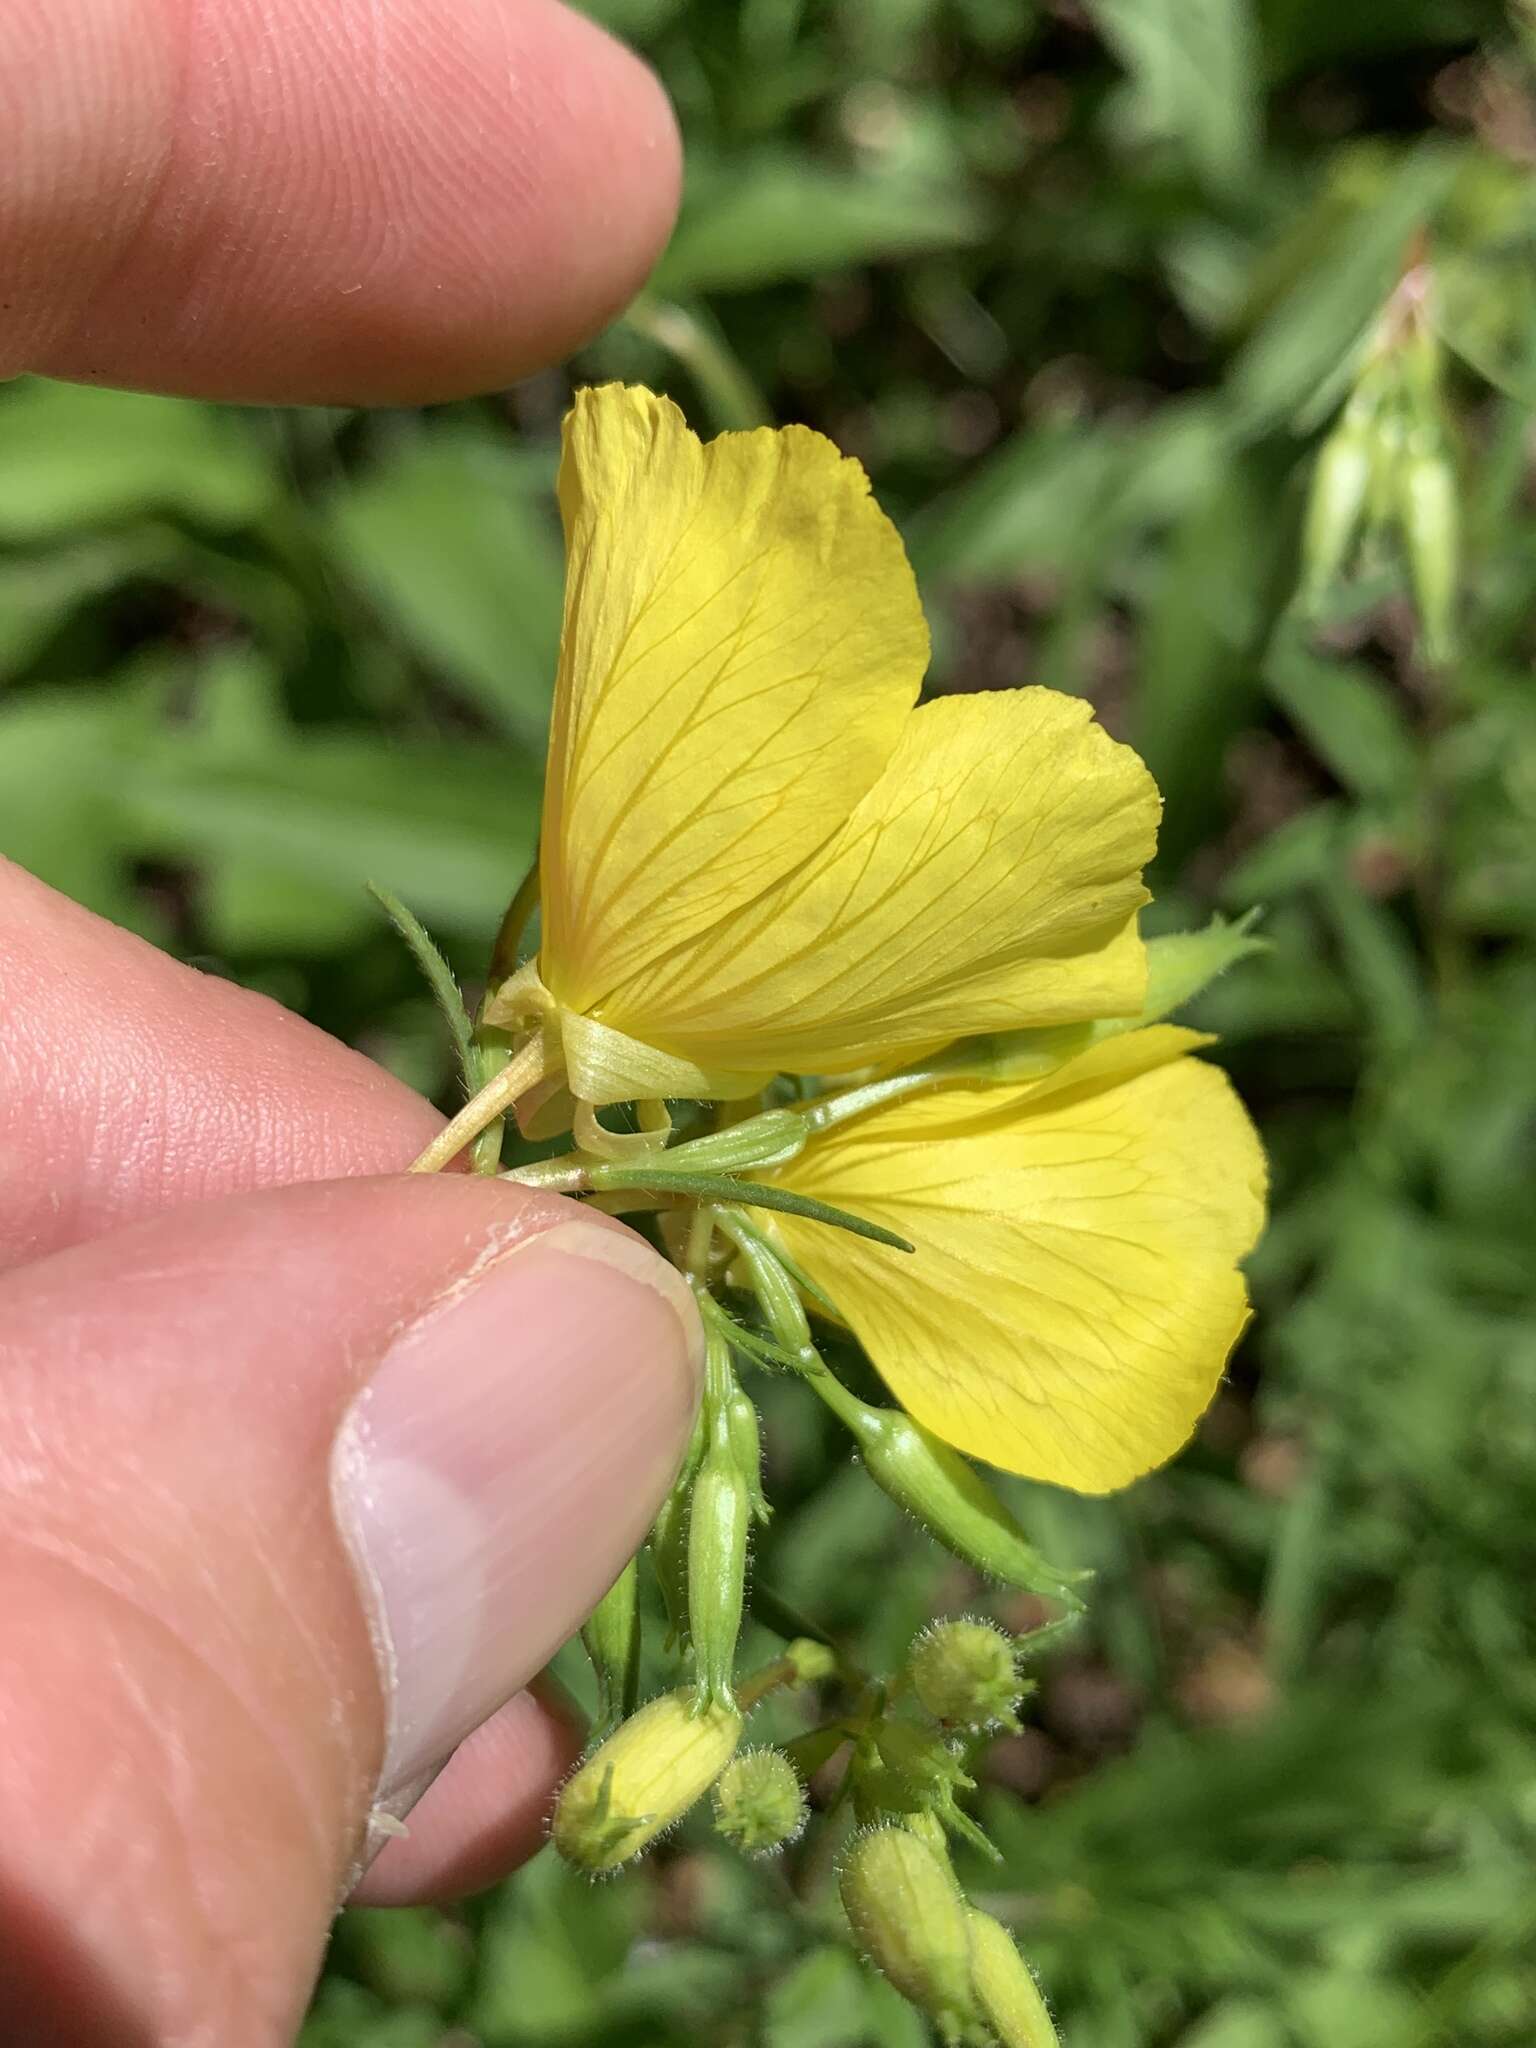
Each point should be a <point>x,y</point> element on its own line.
<point>1075,1292</point>
<point>757,855</point>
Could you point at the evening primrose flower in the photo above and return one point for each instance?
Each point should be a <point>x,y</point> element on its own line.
<point>757,855</point>
<point>1074,1292</point>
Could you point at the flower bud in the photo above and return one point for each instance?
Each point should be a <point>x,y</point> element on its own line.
<point>812,1661</point>
<point>747,1450</point>
<point>1431,533</point>
<point>951,1500</point>
<point>966,1673</point>
<point>909,1920</point>
<point>669,1538</point>
<point>777,1295</point>
<point>759,1801</point>
<point>717,1539</point>
<point>611,1638</point>
<point>1339,485</point>
<point>642,1779</point>
<point>1004,1987</point>
<point>772,1139</point>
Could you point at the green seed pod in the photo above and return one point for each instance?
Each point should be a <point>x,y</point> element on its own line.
<point>718,1521</point>
<point>1340,481</point>
<point>669,1538</point>
<point>909,1920</point>
<point>642,1779</point>
<point>611,1638</point>
<point>951,1500</point>
<point>759,1801</point>
<point>1431,523</point>
<point>1005,1989</point>
<point>966,1673</point>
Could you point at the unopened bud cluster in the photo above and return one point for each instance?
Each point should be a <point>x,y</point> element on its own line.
<point>957,1965</point>
<point>1386,471</point>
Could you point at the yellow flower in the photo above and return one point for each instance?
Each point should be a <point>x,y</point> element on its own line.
<point>1074,1293</point>
<point>757,855</point>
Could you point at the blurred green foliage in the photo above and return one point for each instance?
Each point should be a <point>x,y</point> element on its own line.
<point>1083,284</point>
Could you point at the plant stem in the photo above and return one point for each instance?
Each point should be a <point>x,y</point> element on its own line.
<point>528,1066</point>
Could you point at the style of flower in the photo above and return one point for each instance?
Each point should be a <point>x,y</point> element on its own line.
<point>759,855</point>
<point>1075,1290</point>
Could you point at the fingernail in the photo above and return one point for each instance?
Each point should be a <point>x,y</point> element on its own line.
<point>502,1462</point>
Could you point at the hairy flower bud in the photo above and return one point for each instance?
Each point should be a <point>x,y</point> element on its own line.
<point>669,1538</point>
<point>747,1449</point>
<point>767,1140</point>
<point>909,1919</point>
<point>812,1661</point>
<point>966,1673</point>
<point>1004,1987</point>
<point>642,1779</point>
<point>718,1521</point>
<point>1431,523</point>
<point>759,1801</point>
<point>611,1638</point>
<point>951,1500</point>
<point>1339,485</point>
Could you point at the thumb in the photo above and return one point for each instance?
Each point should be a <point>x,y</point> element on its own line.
<point>295,1490</point>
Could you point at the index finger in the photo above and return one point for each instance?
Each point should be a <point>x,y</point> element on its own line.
<point>130,1084</point>
<point>285,201</point>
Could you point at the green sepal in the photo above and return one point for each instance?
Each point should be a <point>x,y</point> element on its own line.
<point>1179,967</point>
<point>1183,965</point>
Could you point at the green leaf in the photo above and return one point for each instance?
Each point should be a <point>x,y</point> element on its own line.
<point>38,592</point>
<point>439,978</point>
<point>721,1187</point>
<point>62,756</point>
<point>73,456</point>
<point>455,541</point>
<point>1052,498</point>
<point>1192,65</point>
<point>1349,715</point>
<point>769,216</point>
<point>1302,355</point>
<point>452,824</point>
<point>820,2003</point>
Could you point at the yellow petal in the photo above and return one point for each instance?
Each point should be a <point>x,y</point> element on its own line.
<point>989,880</point>
<point>1074,1294</point>
<point>742,644</point>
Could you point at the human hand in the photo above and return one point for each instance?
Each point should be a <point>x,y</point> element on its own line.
<point>493,1387</point>
<point>252,1427</point>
